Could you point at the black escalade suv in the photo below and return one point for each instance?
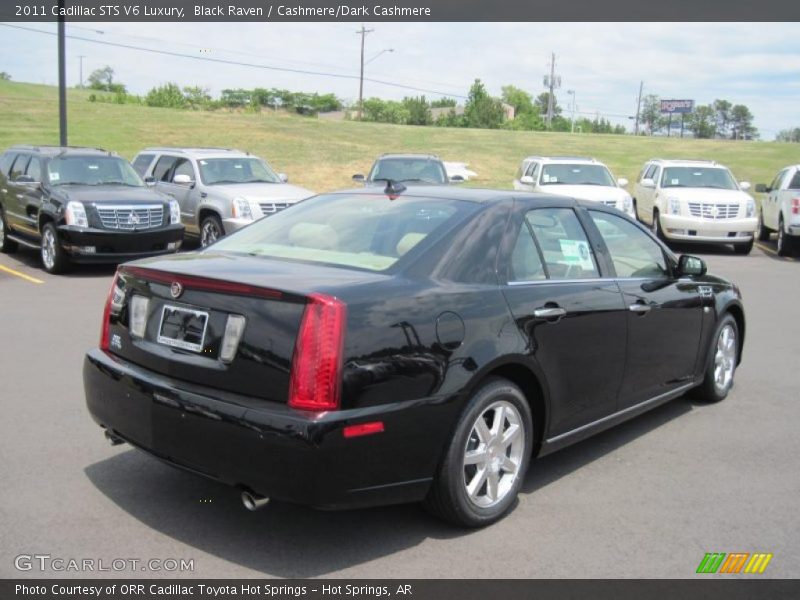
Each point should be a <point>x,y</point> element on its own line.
<point>82,205</point>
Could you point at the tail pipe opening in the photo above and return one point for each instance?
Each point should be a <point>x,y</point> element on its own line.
<point>112,439</point>
<point>253,501</point>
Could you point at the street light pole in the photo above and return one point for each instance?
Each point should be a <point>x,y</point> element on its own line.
<point>363,33</point>
<point>62,80</point>
<point>80,71</point>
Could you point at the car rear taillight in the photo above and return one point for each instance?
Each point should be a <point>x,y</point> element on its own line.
<point>796,206</point>
<point>112,296</point>
<point>315,381</point>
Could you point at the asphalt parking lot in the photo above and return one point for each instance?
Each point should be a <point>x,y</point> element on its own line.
<point>646,499</point>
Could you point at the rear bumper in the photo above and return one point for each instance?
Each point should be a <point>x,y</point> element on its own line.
<point>691,229</point>
<point>263,446</point>
<point>118,246</point>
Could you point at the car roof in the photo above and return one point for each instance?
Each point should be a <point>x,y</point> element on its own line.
<point>52,151</point>
<point>198,152</point>
<point>408,155</point>
<point>557,159</point>
<point>686,162</point>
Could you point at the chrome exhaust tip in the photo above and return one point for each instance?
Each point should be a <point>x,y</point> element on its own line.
<point>253,501</point>
<point>112,439</point>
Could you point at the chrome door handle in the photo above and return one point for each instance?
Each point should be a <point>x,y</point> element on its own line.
<point>639,308</point>
<point>550,313</point>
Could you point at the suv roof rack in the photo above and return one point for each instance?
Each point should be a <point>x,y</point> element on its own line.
<point>40,147</point>
<point>704,161</point>
<point>188,149</point>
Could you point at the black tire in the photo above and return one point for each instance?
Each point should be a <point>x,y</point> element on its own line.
<point>448,497</point>
<point>710,391</point>
<point>744,248</point>
<point>656,227</point>
<point>763,230</point>
<point>54,259</point>
<point>210,230</point>
<point>636,216</point>
<point>6,245</point>
<point>785,243</point>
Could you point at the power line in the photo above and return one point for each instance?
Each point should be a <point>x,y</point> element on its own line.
<point>238,63</point>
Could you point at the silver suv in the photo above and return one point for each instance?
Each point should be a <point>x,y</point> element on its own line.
<point>219,190</point>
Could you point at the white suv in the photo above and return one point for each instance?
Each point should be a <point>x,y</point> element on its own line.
<point>219,190</point>
<point>576,177</point>
<point>695,201</point>
<point>780,210</point>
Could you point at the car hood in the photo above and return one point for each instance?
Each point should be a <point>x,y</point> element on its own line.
<point>711,195</point>
<point>107,194</point>
<point>262,192</point>
<point>597,193</point>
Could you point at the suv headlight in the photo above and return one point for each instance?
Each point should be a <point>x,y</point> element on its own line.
<point>627,204</point>
<point>242,209</point>
<point>75,214</point>
<point>751,208</point>
<point>673,206</point>
<point>174,212</point>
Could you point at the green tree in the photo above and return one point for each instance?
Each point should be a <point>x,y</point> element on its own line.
<point>541,103</point>
<point>703,122</point>
<point>789,135</point>
<point>4,76</point>
<point>168,95</point>
<point>103,79</point>
<point>419,111</point>
<point>722,108</point>
<point>483,111</point>
<point>742,123</point>
<point>650,113</point>
<point>444,102</point>
<point>196,97</point>
<point>521,100</point>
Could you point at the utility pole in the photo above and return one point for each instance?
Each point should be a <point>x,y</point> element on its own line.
<point>551,82</point>
<point>638,108</point>
<point>62,79</point>
<point>80,72</point>
<point>572,126</point>
<point>363,33</point>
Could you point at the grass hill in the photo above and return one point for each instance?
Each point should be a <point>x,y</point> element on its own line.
<point>322,155</point>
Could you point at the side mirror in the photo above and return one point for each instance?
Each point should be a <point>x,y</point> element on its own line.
<point>526,179</point>
<point>283,177</point>
<point>762,188</point>
<point>457,179</point>
<point>359,178</point>
<point>183,180</point>
<point>24,179</point>
<point>150,180</point>
<point>622,182</point>
<point>744,185</point>
<point>647,182</point>
<point>691,265</point>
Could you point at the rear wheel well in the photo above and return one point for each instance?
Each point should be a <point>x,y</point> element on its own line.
<point>526,381</point>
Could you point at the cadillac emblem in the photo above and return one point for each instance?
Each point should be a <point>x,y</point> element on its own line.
<point>176,289</point>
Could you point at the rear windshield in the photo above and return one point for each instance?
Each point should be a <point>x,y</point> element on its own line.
<point>698,177</point>
<point>577,174</point>
<point>365,231</point>
<point>409,169</point>
<point>92,170</point>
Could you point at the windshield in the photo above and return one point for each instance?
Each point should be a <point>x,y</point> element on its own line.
<point>409,169</point>
<point>698,177</point>
<point>365,231</point>
<point>215,171</point>
<point>92,170</point>
<point>576,174</point>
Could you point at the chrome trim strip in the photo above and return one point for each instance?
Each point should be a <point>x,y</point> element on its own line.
<point>677,391</point>
<point>587,280</point>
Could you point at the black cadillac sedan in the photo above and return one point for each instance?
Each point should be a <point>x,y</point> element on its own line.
<point>382,346</point>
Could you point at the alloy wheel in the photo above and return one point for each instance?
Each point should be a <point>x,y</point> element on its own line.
<point>2,231</point>
<point>725,358</point>
<point>211,233</point>
<point>49,248</point>
<point>493,454</point>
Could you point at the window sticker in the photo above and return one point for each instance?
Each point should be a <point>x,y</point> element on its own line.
<point>674,181</point>
<point>94,167</point>
<point>54,176</point>
<point>576,252</point>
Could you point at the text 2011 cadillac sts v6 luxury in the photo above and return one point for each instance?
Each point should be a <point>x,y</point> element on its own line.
<point>369,347</point>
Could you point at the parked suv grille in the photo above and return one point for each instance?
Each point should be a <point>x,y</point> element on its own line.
<point>268,208</point>
<point>713,211</point>
<point>131,217</point>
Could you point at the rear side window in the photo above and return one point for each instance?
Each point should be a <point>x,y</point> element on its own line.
<point>632,251</point>
<point>18,168</point>
<point>5,162</point>
<point>526,261</point>
<point>141,162</point>
<point>565,248</point>
<point>163,167</point>
<point>794,184</point>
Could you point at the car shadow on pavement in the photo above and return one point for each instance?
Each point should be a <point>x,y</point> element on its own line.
<point>30,258</point>
<point>291,541</point>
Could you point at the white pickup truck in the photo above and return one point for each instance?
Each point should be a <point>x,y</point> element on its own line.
<point>780,210</point>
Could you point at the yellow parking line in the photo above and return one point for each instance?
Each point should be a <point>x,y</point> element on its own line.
<point>20,275</point>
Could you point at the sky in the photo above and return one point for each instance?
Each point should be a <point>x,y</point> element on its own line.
<point>753,64</point>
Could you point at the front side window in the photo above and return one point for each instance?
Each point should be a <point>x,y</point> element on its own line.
<point>576,174</point>
<point>183,167</point>
<point>92,170</point>
<point>632,251</point>
<point>222,171</point>
<point>565,248</point>
<point>698,177</point>
<point>19,166</point>
<point>5,162</point>
<point>163,167</point>
<point>533,170</point>
<point>776,183</point>
<point>365,231</point>
<point>34,170</point>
